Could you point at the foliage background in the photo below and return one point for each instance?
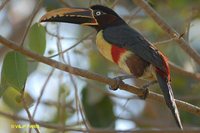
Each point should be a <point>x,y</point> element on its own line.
<point>76,102</point>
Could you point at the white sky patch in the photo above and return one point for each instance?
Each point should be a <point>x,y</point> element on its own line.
<point>5,28</point>
<point>44,113</point>
<point>194,33</point>
<point>22,8</point>
<point>124,125</point>
<point>121,10</point>
<point>35,83</point>
<point>135,106</point>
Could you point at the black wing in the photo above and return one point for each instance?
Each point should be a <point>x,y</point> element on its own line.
<point>125,37</point>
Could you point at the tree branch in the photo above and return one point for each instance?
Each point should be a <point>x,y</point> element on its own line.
<point>93,76</point>
<point>179,70</point>
<point>3,4</point>
<point>168,29</point>
<point>68,128</point>
<point>28,113</point>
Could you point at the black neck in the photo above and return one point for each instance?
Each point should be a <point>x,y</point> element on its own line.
<point>113,24</point>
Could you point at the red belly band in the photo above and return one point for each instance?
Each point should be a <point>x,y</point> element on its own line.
<point>116,53</point>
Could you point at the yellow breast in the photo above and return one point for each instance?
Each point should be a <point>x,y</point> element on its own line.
<point>103,46</point>
<point>105,49</point>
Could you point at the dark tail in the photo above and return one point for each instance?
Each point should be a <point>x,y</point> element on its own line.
<point>169,97</point>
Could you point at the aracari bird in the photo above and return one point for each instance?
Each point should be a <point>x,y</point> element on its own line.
<point>122,45</point>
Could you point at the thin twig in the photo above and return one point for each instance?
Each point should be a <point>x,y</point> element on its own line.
<point>61,57</point>
<point>77,43</point>
<point>68,128</point>
<point>134,15</point>
<point>123,107</point>
<point>29,114</point>
<point>90,2</point>
<point>164,42</point>
<point>190,98</point>
<point>168,29</point>
<point>179,70</point>
<point>79,105</point>
<point>93,76</point>
<point>57,104</point>
<point>61,37</point>
<point>114,4</point>
<point>37,7</point>
<point>3,4</point>
<point>42,92</point>
<point>64,3</point>
<point>42,124</point>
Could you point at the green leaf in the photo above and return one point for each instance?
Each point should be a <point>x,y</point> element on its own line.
<point>100,115</point>
<point>13,99</point>
<point>37,38</point>
<point>14,72</point>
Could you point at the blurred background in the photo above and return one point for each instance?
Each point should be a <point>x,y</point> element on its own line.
<point>58,98</point>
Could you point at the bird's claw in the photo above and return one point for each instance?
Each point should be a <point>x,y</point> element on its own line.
<point>146,90</point>
<point>145,93</point>
<point>119,80</point>
<point>115,86</point>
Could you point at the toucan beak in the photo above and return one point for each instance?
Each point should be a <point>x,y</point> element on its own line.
<point>83,16</point>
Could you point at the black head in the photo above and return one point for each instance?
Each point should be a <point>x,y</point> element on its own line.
<point>97,16</point>
<point>106,17</point>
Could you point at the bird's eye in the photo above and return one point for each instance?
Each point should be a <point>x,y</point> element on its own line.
<point>98,13</point>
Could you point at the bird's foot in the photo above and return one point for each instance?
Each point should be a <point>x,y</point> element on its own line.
<point>118,81</point>
<point>145,93</point>
<point>146,90</point>
<point>115,86</point>
<point>149,84</point>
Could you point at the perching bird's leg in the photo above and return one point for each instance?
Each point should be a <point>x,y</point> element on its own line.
<point>146,90</point>
<point>119,80</point>
<point>144,93</point>
<point>149,84</point>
